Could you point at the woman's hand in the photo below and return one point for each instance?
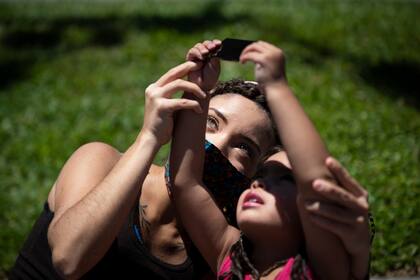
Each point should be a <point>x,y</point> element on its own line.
<point>207,75</point>
<point>269,62</point>
<point>160,108</point>
<point>345,215</point>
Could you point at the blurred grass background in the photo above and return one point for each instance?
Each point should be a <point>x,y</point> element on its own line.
<point>75,72</point>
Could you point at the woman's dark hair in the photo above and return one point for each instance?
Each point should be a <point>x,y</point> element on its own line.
<point>247,89</point>
<point>250,90</point>
<point>241,265</point>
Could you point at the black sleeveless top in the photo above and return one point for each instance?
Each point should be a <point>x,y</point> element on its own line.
<point>127,258</point>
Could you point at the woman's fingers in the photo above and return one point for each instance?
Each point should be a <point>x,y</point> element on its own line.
<point>344,178</point>
<point>180,85</point>
<point>178,72</point>
<point>339,195</point>
<point>336,213</point>
<point>339,229</point>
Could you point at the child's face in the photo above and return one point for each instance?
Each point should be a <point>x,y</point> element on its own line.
<point>270,202</point>
<point>240,130</point>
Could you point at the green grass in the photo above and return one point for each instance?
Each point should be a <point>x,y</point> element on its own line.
<point>75,73</point>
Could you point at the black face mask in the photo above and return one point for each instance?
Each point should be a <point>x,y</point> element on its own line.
<point>223,181</point>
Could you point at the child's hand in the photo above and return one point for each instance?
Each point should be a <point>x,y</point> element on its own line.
<point>207,76</point>
<point>347,213</point>
<point>269,62</point>
<point>160,108</point>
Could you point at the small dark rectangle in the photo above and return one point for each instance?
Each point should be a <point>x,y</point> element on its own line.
<point>231,49</point>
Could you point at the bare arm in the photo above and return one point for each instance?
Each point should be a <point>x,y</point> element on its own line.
<point>345,214</point>
<point>306,152</point>
<point>97,187</point>
<point>200,215</point>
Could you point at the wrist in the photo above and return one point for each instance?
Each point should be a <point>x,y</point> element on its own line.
<point>360,265</point>
<point>276,88</point>
<point>147,138</point>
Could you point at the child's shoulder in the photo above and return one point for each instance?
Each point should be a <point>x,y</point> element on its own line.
<point>225,270</point>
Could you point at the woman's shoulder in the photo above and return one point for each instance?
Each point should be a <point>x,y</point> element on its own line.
<point>84,169</point>
<point>93,156</point>
<point>98,150</point>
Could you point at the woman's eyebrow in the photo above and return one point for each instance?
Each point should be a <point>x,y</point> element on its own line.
<point>219,114</point>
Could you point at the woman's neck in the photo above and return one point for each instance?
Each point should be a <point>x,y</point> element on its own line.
<point>158,223</point>
<point>154,196</point>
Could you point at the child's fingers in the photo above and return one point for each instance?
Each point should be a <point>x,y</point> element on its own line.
<point>335,213</point>
<point>171,88</point>
<point>173,105</point>
<point>344,178</point>
<point>211,45</point>
<point>217,42</point>
<point>339,195</point>
<point>202,48</point>
<point>254,47</point>
<point>178,72</point>
<point>253,56</point>
<point>208,44</point>
<point>194,55</point>
<point>268,45</point>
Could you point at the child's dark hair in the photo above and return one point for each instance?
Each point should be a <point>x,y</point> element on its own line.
<point>241,265</point>
<point>247,89</point>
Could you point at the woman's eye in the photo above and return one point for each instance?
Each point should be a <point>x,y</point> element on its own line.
<point>212,123</point>
<point>246,148</point>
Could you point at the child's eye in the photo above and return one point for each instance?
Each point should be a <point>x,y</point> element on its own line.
<point>259,174</point>
<point>212,123</point>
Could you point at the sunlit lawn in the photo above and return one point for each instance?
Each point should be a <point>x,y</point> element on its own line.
<point>75,73</point>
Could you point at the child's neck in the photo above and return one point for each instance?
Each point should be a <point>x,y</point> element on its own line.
<point>267,251</point>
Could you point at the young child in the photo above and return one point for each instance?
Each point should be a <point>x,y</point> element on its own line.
<point>275,231</point>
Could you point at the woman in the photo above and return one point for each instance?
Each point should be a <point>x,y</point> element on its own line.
<point>99,188</point>
<point>110,212</point>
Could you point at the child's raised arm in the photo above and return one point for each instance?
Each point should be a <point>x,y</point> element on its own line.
<point>306,152</point>
<point>200,215</point>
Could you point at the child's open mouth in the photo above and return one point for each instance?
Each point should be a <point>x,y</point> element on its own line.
<point>252,200</point>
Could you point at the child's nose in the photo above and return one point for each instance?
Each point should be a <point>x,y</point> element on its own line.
<point>258,184</point>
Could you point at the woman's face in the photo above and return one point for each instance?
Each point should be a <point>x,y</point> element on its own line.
<point>240,129</point>
<point>270,202</point>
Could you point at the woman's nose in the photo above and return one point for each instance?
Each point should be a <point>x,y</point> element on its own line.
<point>221,142</point>
<point>258,184</point>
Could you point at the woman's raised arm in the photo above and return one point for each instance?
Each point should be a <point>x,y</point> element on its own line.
<point>97,187</point>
